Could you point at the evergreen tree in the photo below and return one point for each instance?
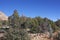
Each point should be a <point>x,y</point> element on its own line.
<point>14,19</point>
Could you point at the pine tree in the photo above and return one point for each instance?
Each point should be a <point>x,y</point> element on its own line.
<point>14,19</point>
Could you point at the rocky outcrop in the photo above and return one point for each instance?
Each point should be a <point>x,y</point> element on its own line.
<point>3,16</point>
<point>43,36</point>
<point>39,36</point>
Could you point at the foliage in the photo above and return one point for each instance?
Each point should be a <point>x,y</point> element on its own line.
<point>19,24</point>
<point>14,19</point>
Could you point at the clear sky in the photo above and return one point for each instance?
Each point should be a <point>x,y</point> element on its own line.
<point>32,8</point>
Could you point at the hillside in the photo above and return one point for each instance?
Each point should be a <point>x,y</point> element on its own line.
<point>3,16</point>
<point>26,28</point>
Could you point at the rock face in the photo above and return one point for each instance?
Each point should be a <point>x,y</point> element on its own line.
<point>3,16</point>
<point>39,36</point>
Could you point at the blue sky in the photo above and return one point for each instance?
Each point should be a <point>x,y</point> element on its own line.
<point>32,8</point>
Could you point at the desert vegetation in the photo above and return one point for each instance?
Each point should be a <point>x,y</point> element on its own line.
<point>21,26</point>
